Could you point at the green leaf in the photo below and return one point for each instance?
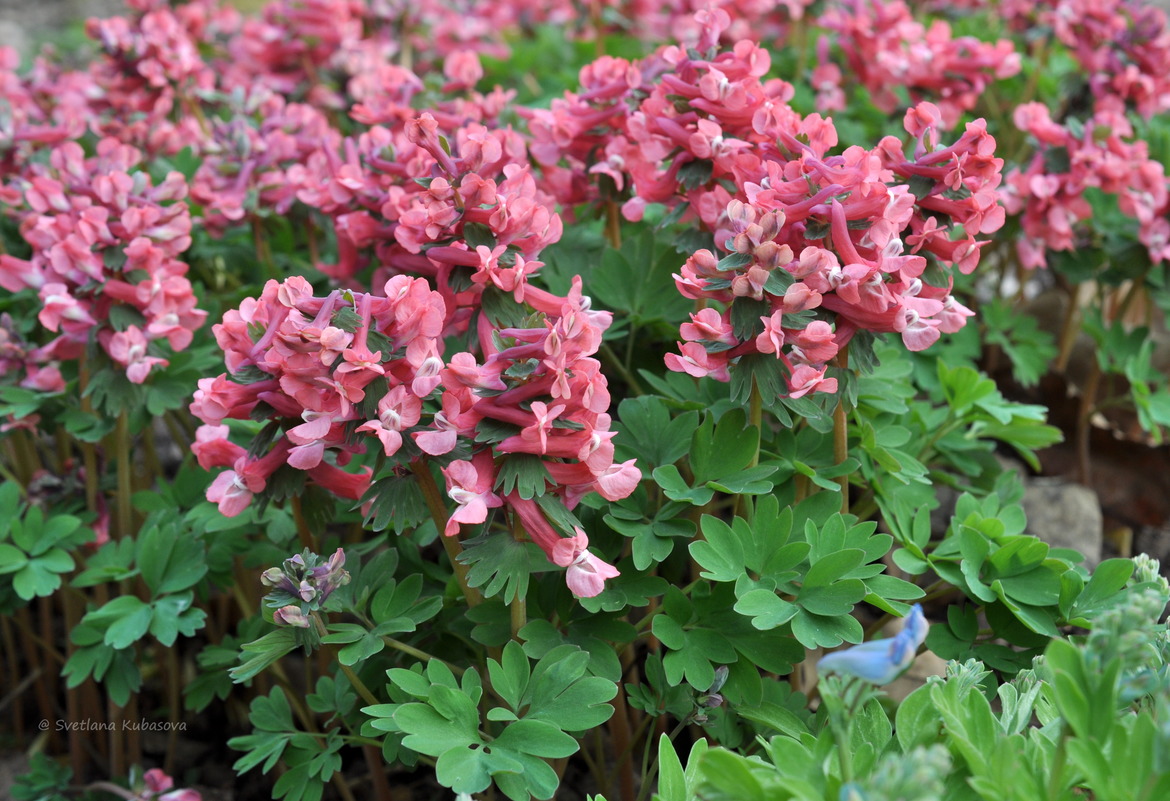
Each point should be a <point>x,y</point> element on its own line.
<point>464,770</point>
<point>672,782</point>
<point>265,651</point>
<point>963,386</point>
<point>432,732</point>
<point>1108,579</point>
<point>174,615</point>
<point>916,721</point>
<point>537,738</point>
<point>509,676</point>
<point>646,429</point>
<point>830,567</point>
<point>814,630</point>
<point>169,559</point>
<point>732,775</point>
<point>776,717</point>
<point>637,279</point>
<point>12,559</point>
<point>720,553</point>
<point>725,448</point>
<point>523,473</point>
<point>500,564</point>
<point>838,598</point>
<point>559,693</point>
<point>132,623</point>
<point>677,489</point>
<point>395,502</point>
<point>371,643</point>
<point>696,173</point>
<point>394,600</point>
<point>766,609</point>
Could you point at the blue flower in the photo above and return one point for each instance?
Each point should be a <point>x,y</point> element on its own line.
<point>880,661</point>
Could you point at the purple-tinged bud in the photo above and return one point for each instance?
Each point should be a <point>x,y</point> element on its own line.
<point>290,616</point>
<point>721,674</point>
<point>333,576</point>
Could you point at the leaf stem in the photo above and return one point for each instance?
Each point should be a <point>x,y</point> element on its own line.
<point>357,683</point>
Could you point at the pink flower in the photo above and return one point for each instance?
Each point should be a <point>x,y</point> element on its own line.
<point>586,573</point>
<point>398,410</point>
<point>696,361</point>
<point>771,339</point>
<point>469,485</point>
<point>806,379</point>
<point>159,783</point>
<point>128,348</point>
<point>917,332</point>
<point>230,493</point>
<point>62,309</point>
<point>212,448</point>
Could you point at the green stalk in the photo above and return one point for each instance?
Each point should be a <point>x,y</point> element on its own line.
<point>519,615</point>
<point>1054,777</point>
<point>303,533</point>
<point>357,683</point>
<point>125,476</point>
<point>844,752</point>
<point>841,433</point>
<point>620,734</point>
<point>438,510</point>
<point>756,420</point>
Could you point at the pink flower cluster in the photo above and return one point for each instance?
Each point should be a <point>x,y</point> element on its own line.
<point>1049,192</point>
<point>103,236</point>
<point>250,161</point>
<point>835,233</point>
<point>25,122</point>
<point>350,371</point>
<point>885,48</point>
<point>850,234</point>
<point>148,87</point>
<point>1123,45</point>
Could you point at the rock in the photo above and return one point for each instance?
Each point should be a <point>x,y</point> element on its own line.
<point>1154,541</point>
<point>11,766</point>
<point>1065,515</point>
<point>24,25</point>
<point>940,516</point>
<point>13,35</point>
<point>925,665</point>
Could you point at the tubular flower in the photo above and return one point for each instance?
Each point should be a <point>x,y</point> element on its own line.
<point>880,661</point>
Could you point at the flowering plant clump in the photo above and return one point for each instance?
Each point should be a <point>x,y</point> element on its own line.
<point>105,246</point>
<point>524,399</point>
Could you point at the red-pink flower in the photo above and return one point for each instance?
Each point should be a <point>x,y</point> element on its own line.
<point>586,574</point>
<point>469,484</point>
<point>129,349</point>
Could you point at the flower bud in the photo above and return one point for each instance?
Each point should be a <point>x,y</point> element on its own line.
<point>290,616</point>
<point>770,225</point>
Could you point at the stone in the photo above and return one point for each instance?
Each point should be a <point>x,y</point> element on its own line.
<point>1065,515</point>
<point>925,665</point>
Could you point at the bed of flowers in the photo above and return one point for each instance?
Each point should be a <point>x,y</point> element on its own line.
<point>578,398</point>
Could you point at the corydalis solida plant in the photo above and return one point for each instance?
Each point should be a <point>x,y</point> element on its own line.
<point>104,236</point>
<point>352,371</point>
